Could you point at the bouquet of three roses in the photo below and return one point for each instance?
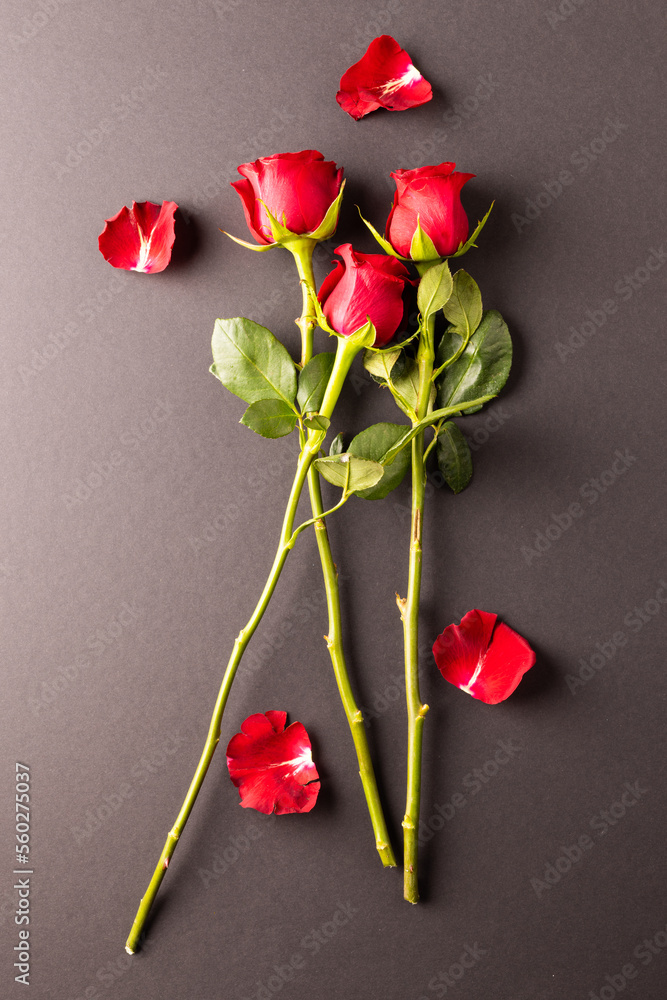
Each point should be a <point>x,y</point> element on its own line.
<point>293,201</point>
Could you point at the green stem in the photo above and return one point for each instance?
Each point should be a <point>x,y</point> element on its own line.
<point>334,641</point>
<point>410,615</point>
<point>344,356</point>
<point>302,251</point>
<point>334,638</point>
<point>428,420</point>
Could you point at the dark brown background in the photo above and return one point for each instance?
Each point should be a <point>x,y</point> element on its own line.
<point>106,103</point>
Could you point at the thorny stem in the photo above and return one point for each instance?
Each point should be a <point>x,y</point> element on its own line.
<point>302,251</point>
<point>344,356</point>
<point>334,638</point>
<point>410,616</point>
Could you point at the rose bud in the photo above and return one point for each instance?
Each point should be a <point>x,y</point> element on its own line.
<point>365,285</point>
<point>139,238</point>
<point>299,190</point>
<point>430,196</point>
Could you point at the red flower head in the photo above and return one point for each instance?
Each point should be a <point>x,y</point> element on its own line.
<point>430,196</point>
<point>297,188</point>
<point>364,285</point>
<point>486,664</point>
<point>272,767</point>
<point>140,238</point>
<point>383,78</point>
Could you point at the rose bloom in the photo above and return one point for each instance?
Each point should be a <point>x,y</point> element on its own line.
<point>364,285</point>
<point>297,189</point>
<point>432,196</point>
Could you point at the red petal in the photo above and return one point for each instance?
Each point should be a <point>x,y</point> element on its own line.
<point>331,280</point>
<point>272,766</point>
<point>487,664</point>
<point>140,238</point>
<point>384,77</point>
<point>404,178</point>
<point>246,192</point>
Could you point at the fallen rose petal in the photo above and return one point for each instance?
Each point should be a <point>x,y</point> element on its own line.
<point>383,78</point>
<point>272,767</point>
<point>484,659</point>
<point>140,238</point>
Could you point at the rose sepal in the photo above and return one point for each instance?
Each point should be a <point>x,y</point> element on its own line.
<point>363,337</point>
<point>470,242</point>
<point>422,247</point>
<point>329,223</point>
<point>284,237</point>
<point>322,321</point>
<point>422,243</point>
<point>385,244</point>
<point>260,248</point>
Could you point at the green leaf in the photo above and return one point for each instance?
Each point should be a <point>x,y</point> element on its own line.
<point>407,383</point>
<point>454,458</point>
<point>372,444</point>
<point>251,363</point>
<point>451,344</point>
<point>434,289</point>
<point>464,307</point>
<point>483,367</point>
<point>314,422</point>
<point>380,363</point>
<point>313,381</point>
<point>336,446</point>
<point>272,418</point>
<point>422,246</point>
<point>349,472</point>
<point>470,242</point>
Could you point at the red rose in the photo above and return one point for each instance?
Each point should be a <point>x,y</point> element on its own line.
<point>297,188</point>
<point>432,196</point>
<point>364,285</point>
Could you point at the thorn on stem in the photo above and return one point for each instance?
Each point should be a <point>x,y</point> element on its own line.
<point>417,526</point>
